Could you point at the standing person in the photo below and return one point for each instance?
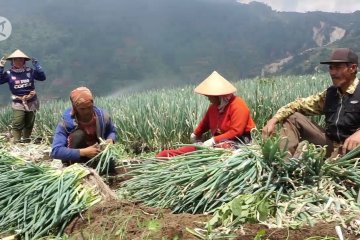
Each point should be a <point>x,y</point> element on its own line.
<point>340,103</point>
<point>25,103</point>
<point>228,117</point>
<point>77,135</point>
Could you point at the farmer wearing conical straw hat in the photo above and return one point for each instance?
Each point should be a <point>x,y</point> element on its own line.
<point>20,79</point>
<point>340,103</point>
<point>77,135</point>
<point>228,117</point>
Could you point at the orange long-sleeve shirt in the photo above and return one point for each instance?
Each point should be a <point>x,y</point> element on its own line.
<point>233,122</point>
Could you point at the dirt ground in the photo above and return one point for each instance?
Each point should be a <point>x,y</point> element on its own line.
<point>133,221</point>
<point>125,220</point>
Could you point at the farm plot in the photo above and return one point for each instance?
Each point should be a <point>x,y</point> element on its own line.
<point>252,193</point>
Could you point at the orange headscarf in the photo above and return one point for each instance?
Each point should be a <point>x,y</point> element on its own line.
<point>81,96</point>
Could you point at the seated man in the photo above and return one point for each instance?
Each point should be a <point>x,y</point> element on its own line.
<point>340,103</point>
<point>77,135</point>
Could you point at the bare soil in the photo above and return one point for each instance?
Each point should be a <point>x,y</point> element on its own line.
<point>125,220</point>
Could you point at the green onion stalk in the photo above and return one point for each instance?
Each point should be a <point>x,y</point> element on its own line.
<point>316,189</point>
<point>104,162</point>
<point>295,190</point>
<point>197,182</point>
<point>36,200</point>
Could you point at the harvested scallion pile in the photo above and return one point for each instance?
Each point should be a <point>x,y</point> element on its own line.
<point>280,190</point>
<point>36,200</point>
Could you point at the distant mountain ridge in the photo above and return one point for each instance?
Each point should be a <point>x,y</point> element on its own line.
<point>112,45</point>
<point>323,35</point>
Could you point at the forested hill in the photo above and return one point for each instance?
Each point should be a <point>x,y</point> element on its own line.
<point>114,46</point>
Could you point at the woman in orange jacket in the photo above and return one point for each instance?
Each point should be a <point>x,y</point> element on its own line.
<point>228,117</point>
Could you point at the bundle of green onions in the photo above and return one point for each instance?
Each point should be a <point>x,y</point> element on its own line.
<point>36,200</point>
<point>320,190</point>
<point>296,190</point>
<point>197,182</point>
<point>104,162</point>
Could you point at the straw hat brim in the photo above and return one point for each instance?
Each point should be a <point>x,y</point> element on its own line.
<point>18,54</point>
<point>215,85</point>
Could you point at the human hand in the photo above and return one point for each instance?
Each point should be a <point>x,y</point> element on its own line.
<point>36,64</point>
<point>109,141</point>
<point>351,142</point>
<point>34,61</point>
<point>269,128</point>
<point>209,143</point>
<point>90,151</point>
<point>193,138</point>
<point>2,62</point>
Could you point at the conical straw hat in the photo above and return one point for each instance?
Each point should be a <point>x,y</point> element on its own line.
<point>18,54</point>
<point>215,85</point>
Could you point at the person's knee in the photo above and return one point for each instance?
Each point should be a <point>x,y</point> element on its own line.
<point>78,134</point>
<point>18,124</point>
<point>29,120</point>
<point>18,120</point>
<point>77,139</point>
<point>295,116</point>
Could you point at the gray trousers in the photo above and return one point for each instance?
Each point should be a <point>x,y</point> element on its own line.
<point>297,128</point>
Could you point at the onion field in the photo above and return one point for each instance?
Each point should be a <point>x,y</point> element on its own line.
<point>160,118</point>
<point>255,184</point>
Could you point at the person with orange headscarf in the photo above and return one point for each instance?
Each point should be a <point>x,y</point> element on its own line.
<point>228,117</point>
<point>77,135</point>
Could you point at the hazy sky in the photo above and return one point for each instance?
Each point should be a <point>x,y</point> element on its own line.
<point>344,6</point>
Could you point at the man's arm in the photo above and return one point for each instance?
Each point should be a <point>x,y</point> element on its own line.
<point>61,151</point>
<point>59,146</point>
<point>308,106</point>
<point>312,105</point>
<point>269,128</point>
